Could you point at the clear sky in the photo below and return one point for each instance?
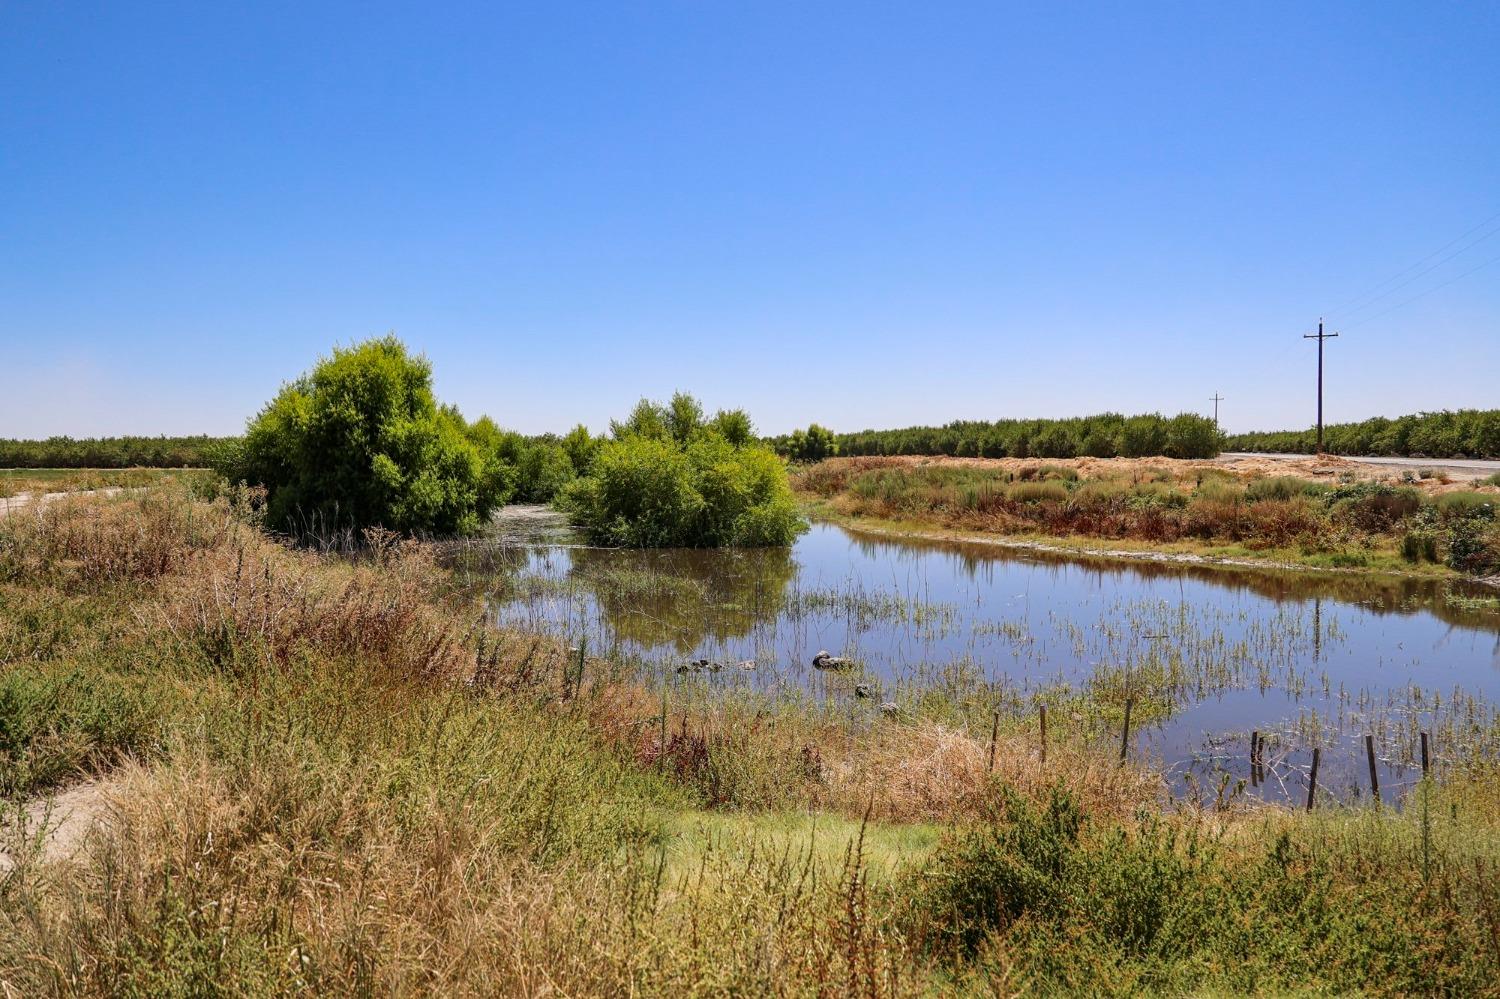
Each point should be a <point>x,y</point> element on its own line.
<point>860,214</point>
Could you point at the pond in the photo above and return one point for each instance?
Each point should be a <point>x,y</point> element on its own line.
<point>1205,654</point>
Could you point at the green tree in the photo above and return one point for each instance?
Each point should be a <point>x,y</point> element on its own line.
<point>648,490</point>
<point>360,441</point>
<point>580,446</point>
<point>813,444</point>
<point>734,426</point>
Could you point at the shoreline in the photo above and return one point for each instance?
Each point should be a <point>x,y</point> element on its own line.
<point>818,512</point>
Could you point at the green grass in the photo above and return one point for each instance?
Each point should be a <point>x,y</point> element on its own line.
<point>327,779</point>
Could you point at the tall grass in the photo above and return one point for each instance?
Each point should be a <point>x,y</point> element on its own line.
<point>323,776</point>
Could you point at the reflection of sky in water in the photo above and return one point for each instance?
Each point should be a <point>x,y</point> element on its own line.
<point>1344,651</point>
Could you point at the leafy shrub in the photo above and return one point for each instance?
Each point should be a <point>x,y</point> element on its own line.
<point>989,876</point>
<point>1281,487</point>
<point>1420,545</point>
<point>1149,894</point>
<point>361,441</point>
<point>1374,506</point>
<point>663,481</point>
<point>813,444</point>
<point>1474,546</point>
<point>1191,436</point>
<point>1466,505</point>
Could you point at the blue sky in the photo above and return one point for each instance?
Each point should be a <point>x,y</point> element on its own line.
<point>859,214</point>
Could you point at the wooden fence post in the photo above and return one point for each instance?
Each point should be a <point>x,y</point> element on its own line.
<point>1425,763</point>
<point>994,735</point>
<point>1255,758</point>
<point>1374,774</point>
<point>1125,730</point>
<point>1312,780</point>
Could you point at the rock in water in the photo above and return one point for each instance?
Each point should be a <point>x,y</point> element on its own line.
<point>890,709</point>
<point>862,690</point>
<point>825,661</point>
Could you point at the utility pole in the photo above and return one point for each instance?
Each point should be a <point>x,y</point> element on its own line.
<point>1319,336</point>
<point>1217,398</point>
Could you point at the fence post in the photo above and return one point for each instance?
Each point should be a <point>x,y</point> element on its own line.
<point>1255,758</point>
<point>1374,774</point>
<point>994,735</point>
<point>1424,756</point>
<point>1312,780</point>
<point>1125,730</point>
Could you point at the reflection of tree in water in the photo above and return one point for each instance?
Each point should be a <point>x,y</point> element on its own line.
<point>683,597</point>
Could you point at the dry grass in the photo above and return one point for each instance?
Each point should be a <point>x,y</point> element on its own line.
<point>1312,516</point>
<point>249,598</point>
<point>343,785</point>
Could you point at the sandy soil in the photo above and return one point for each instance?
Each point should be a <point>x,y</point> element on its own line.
<point>1324,468</point>
<point>62,821</point>
<point>19,500</point>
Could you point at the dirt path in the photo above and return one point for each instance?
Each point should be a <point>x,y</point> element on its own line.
<point>1458,469</point>
<point>61,822</point>
<point>20,500</point>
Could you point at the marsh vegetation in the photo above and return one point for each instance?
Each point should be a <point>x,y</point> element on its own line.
<point>331,775</point>
<point>1347,522</point>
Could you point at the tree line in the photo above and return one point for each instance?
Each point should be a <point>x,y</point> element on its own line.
<point>198,451</point>
<point>1463,433</point>
<point>1106,435</point>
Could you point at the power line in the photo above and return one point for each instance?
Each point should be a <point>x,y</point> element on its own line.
<point>1423,294</point>
<point>1379,291</point>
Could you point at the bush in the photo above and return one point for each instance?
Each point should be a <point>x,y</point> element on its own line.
<point>1420,545</point>
<point>1192,436</point>
<point>1474,546</point>
<point>1465,506</point>
<point>1281,487</point>
<point>1149,895</point>
<point>360,441</point>
<point>663,482</point>
<point>813,444</point>
<point>1374,507</point>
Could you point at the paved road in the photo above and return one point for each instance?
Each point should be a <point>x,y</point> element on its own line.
<point>1457,468</point>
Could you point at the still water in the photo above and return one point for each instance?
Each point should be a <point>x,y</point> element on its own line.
<point>1206,655</point>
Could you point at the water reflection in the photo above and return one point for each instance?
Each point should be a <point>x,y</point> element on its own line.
<point>682,599</point>
<point>1206,653</point>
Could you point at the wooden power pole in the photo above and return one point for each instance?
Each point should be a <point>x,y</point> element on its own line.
<point>1217,398</point>
<point>1320,336</point>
